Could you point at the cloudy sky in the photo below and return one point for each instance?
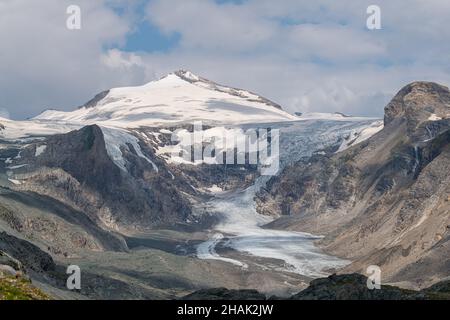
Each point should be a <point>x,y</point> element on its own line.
<point>306,55</point>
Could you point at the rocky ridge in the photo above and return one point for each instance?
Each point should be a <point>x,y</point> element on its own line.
<point>382,202</point>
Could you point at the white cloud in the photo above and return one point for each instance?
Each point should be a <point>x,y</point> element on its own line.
<point>123,60</point>
<point>206,25</point>
<point>333,43</point>
<point>306,55</point>
<point>43,64</point>
<point>309,55</point>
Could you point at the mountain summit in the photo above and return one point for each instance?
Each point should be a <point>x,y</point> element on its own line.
<point>179,97</point>
<point>419,102</point>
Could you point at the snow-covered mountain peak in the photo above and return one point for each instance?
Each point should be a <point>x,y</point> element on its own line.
<point>179,97</point>
<point>208,84</point>
<point>187,75</point>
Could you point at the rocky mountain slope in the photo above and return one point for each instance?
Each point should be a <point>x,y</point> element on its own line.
<point>385,201</point>
<point>76,168</point>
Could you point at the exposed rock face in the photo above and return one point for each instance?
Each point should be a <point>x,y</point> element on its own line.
<point>59,226</point>
<point>384,201</point>
<point>352,287</point>
<point>93,102</point>
<point>29,255</point>
<point>416,101</point>
<point>76,168</point>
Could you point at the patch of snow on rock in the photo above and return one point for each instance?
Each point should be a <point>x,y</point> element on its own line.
<point>361,134</point>
<point>434,117</point>
<point>40,150</point>
<point>14,181</point>
<point>117,138</point>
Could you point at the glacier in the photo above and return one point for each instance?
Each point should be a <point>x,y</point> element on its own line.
<point>241,228</point>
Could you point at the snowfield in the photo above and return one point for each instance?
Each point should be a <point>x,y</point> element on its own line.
<point>22,131</point>
<point>359,135</point>
<point>176,98</point>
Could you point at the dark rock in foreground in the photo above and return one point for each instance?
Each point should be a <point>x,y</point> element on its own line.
<point>351,287</point>
<point>335,287</point>
<point>28,254</point>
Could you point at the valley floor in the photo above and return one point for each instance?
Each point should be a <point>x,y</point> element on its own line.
<point>241,228</point>
<point>163,265</point>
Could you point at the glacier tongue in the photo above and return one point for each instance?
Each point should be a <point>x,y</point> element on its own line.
<point>241,227</point>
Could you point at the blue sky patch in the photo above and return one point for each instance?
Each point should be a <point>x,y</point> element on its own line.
<point>149,38</point>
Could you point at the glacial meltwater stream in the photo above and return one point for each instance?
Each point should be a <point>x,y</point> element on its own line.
<point>242,227</point>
